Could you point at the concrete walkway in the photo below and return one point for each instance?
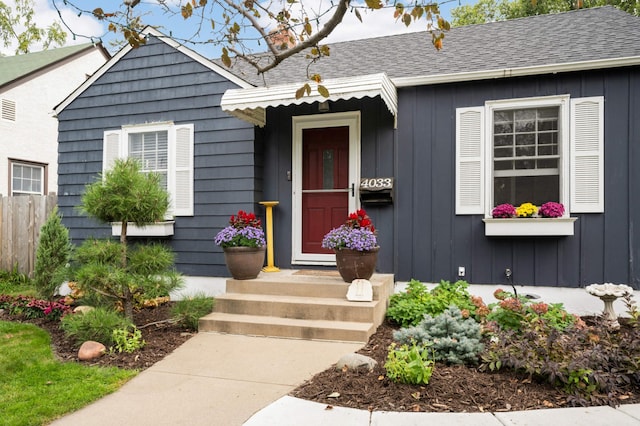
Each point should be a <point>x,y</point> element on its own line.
<point>227,380</point>
<point>212,379</point>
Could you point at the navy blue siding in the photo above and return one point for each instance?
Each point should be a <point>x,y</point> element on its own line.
<point>420,235</point>
<point>433,241</point>
<point>156,83</point>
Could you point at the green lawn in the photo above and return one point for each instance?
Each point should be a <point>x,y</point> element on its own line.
<point>35,388</point>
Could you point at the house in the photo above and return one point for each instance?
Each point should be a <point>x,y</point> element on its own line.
<point>30,86</point>
<point>535,109</point>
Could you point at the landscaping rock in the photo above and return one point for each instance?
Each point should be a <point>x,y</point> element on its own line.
<point>91,350</point>
<point>83,309</point>
<point>356,362</point>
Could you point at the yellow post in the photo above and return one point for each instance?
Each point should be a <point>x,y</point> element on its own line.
<point>270,267</point>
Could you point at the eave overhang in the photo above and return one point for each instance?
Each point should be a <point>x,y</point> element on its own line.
<point>250,104</point>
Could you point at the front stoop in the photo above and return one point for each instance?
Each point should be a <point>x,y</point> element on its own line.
<point>298,304</point>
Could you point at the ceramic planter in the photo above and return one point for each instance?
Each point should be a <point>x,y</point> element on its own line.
<point>353,264</point>
<point>244,263</point>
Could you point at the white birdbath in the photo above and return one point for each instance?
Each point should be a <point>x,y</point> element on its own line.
<point>608,293</point>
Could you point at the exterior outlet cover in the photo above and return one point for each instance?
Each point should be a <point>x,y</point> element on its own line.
<point>461,271</point>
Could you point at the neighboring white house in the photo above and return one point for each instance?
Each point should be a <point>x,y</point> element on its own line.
<point>30,86</point>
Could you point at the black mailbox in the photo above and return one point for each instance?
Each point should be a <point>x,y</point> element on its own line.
<point>376,190</point>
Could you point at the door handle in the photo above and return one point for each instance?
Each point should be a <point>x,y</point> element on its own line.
<point>353,189</point>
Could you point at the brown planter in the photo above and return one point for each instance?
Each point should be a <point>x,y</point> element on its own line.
<point>244,263</point>
<point>353,264</point>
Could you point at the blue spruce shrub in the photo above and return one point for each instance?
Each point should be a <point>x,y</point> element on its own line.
<point>452,338</point>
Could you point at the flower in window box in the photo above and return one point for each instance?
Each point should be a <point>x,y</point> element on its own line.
<point>526,210</point>
<point>551,209</point>
<point>503,211</point>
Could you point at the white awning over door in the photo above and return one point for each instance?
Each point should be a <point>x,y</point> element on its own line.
<point>250,104</point>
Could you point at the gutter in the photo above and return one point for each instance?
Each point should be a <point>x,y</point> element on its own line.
<point>515,72</point>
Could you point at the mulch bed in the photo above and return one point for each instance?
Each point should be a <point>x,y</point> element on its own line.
<point>451,388</point>
<point>161,340</point>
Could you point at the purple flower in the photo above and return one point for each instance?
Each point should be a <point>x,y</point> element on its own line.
<point>551,209</point>
<point>360,239</point>
<point>249,236</point>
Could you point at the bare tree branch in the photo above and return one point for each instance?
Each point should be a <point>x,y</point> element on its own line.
<point>281,55</point>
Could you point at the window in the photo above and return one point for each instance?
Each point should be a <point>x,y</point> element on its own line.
<point>163,148</point>
<point>151,149</point>
<point>526,158</point>
<point>27,178</point>
<point>530,150</point>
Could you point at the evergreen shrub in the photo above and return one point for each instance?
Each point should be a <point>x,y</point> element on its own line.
<point>452,338</point>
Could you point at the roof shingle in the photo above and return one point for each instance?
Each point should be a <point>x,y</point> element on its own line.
<point>575,36</point>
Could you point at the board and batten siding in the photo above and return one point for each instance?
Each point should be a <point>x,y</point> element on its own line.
<point>433,241</point>
<point>151,84</point>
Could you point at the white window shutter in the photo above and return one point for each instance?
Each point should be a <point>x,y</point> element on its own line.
<point>183,196</point>
<point>110,148</point>
<point>470,173</point>
<point>587,155</point>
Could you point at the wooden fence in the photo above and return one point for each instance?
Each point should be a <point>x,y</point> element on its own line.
<point>21,218</point>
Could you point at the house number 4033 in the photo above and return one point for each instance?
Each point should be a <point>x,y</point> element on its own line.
<point>376,183</point>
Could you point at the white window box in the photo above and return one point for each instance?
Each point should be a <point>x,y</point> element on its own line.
<point>531,227</point>
<point>157,229</point>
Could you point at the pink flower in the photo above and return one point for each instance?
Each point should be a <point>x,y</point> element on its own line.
<point>503,211</point>
<point>551,209</point>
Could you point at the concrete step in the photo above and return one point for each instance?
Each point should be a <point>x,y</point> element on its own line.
<point>307,284</point>
<point>299,304</point>
<point>285,306</point>
<point>258,325</point>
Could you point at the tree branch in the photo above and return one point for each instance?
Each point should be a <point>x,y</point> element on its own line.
<point>278,55</point>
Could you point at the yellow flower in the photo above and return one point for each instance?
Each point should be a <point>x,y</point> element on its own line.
<point>526,210</point>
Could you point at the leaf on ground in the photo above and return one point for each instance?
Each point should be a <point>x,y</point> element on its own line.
<point>334,395</point>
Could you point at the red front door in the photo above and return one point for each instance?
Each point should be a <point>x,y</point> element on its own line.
<point>325,181</point>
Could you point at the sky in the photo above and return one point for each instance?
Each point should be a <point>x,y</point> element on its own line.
<point>87,28</point>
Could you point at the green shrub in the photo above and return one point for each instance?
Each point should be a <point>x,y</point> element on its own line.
<point>188,311</point>
<point>513,312</point>
<point>97,324</point>
<point>52,256</point>
<point>127,340</point>
<point>408,308</point>
<point>452,338</point>
<point>409,365</point>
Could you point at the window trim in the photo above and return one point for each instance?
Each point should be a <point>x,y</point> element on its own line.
<point>582,144</point>
<point>44,181</point>
<point>180,174</point>
<point>561,101</point>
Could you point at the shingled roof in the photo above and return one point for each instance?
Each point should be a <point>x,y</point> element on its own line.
<point>586,35</point>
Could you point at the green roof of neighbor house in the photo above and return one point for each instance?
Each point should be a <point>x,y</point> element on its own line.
<point>15,67</point>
